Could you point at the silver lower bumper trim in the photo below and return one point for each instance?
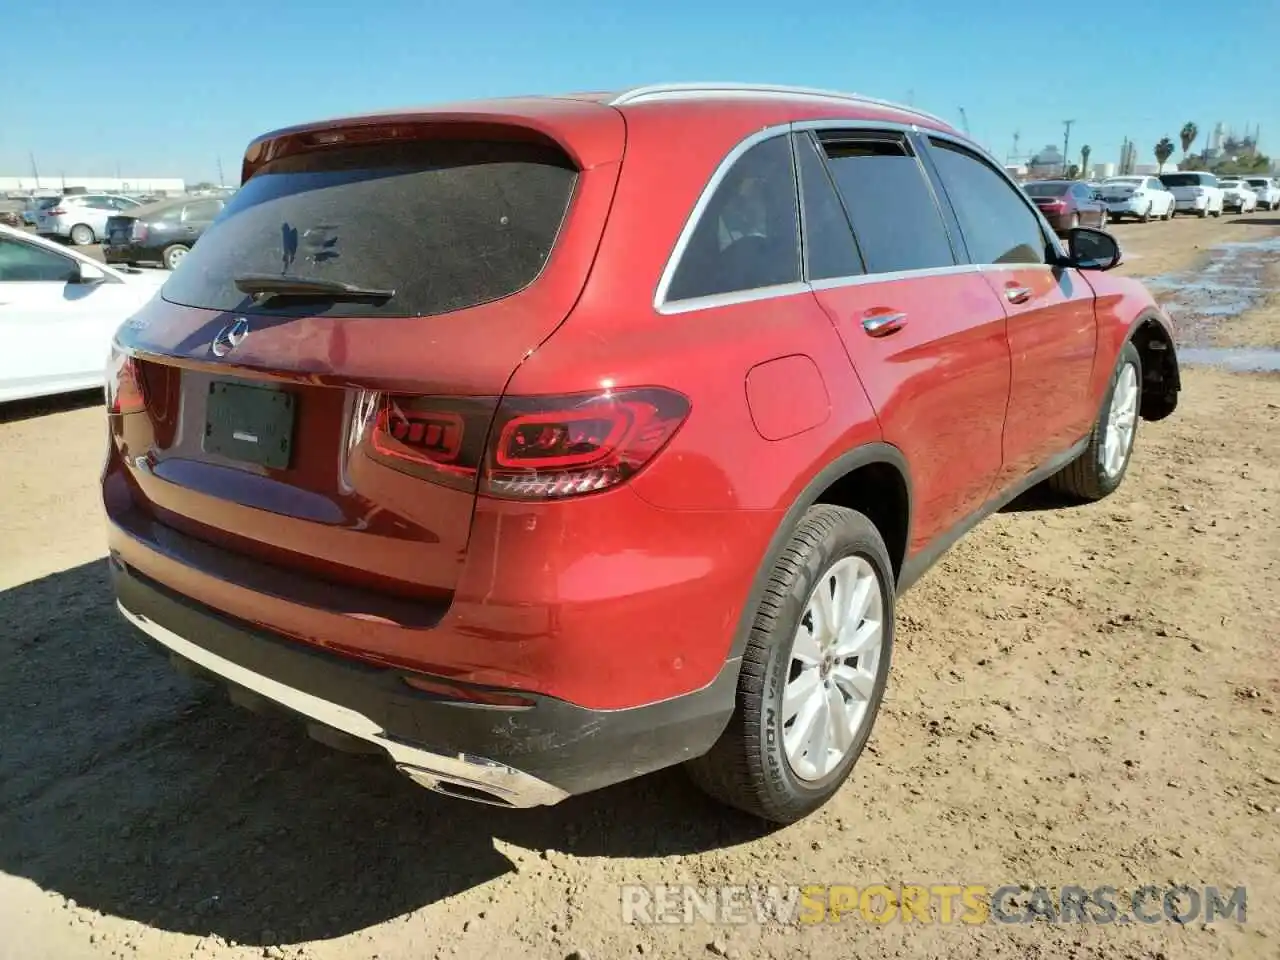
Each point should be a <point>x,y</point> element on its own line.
<point>459,775</point>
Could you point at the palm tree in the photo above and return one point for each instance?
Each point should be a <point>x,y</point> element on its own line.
<point>1164,150</point>
<point>1188,136</point>
<point>1084,159</point>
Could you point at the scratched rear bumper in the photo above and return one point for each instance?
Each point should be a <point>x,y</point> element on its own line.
<point>517,749</point>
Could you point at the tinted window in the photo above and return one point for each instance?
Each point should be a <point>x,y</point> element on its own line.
<point>1189,180</point>
<point>998,225</point>
<point>748,236</point>
<point>894,214</point>
<point>1040,189</point>
<point>201,211</point>
<point>445,224</point>
<point>26,262</point>
<point>828,241</point>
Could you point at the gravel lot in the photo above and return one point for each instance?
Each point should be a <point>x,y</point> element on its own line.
<point>1079,696</point>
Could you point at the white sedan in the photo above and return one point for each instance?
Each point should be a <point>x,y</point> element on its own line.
<point>59,310</point>
<point>1143,198</point>
<point>1237,196</point>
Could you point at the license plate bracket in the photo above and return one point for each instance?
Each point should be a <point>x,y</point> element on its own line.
<point>250,423</point>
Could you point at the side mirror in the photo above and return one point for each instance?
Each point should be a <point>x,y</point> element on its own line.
<point>1090,249</point>
<point>88,273</point>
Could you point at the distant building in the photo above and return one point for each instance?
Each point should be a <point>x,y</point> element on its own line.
<point>1048,162</point>
<point>57,184</point>
<point>1145,169</point>
<point>1103,170</point>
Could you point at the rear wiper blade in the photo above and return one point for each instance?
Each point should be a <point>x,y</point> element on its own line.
<point>265,286</point>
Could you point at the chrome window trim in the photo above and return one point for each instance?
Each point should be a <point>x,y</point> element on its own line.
<point>693,91</point>
<point>1003,267</point>
<point>660,302</point>
<point>862,279</point>
<point>668,307</point>
<point>737,296</point>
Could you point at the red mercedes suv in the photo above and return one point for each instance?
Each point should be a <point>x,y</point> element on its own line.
<point>542,443</point>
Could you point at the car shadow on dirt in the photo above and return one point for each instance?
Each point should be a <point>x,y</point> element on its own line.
<point>1040,497</point>
<point>141,794</point>
<point>1257,221</point>
<point>17,410</point>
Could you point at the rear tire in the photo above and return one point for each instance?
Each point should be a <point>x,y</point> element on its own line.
<point>1168,214</point>
<point>82,235</point>
<point>173,255</point>
<point>1146,214</point>
<point>793,671</point>
<point>1098,471</point>
<point>1202,213</point>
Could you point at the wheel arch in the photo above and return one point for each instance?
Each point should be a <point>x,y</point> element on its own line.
<point>1161,380</point>
<point>875,480</point>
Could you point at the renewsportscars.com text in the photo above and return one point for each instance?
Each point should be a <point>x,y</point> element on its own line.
<point>935,903</point>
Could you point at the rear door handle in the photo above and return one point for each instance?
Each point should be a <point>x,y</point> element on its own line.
<point>883,324</point>
<point>1017,294</point>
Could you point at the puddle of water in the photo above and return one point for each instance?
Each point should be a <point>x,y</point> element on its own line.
<point>1228,285</point>
<point>1238,359</point>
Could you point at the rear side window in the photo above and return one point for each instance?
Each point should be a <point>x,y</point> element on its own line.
<point>895,216</point>
<point>829,250</point>
<point>998,225</point>
<point>444,224</point>
<point>748,236</point>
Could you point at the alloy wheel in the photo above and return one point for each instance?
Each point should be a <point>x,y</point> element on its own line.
<point>1121,420</point>
<point>835,658</point>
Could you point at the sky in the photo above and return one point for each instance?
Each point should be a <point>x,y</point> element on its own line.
<point>154,89</point>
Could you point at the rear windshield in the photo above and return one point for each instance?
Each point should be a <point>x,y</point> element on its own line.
<point>445,224</point>
<point>1183,180</point>
<point>1047,189</point>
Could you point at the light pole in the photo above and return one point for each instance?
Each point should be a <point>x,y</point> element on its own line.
<point>1066,143</point>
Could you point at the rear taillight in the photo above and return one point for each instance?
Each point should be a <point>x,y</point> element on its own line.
<point>139,232</point>
<point>124,388</point>
<point>534,448</point>
<point>56,212</point>
<point>550,447</point>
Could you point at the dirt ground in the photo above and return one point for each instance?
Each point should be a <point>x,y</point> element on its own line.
<point>1079,696</point>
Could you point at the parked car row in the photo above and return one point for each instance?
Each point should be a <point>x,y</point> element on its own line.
<point>1073,203</point>
<point>163,231</point>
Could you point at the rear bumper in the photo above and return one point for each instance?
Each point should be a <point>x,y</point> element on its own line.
<point>1125,208</point>
<point>531,754</point>
<point>128,253</point>
<point>1196,203</point>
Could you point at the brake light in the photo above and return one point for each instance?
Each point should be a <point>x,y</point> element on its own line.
<point>139,232</point>
<point>125,393</point>
<point>530,448</point>
<point>437,439</point>
<point>56,212</point>
<point>550,447</point>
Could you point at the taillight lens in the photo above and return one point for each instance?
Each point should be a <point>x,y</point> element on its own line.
<point>552,447</point>
<point>538,448</point>
<point>56,212</point>
<point>139,232</point>
<point>124,388</point>
<point>440,439</point>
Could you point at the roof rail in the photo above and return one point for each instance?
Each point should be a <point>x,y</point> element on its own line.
<point>681,91</point>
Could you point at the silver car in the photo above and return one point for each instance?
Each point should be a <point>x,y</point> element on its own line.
<point>81,218</point>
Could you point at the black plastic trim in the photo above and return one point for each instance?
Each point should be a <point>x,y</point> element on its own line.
<point>865,455</point>
<point>571,747</point>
